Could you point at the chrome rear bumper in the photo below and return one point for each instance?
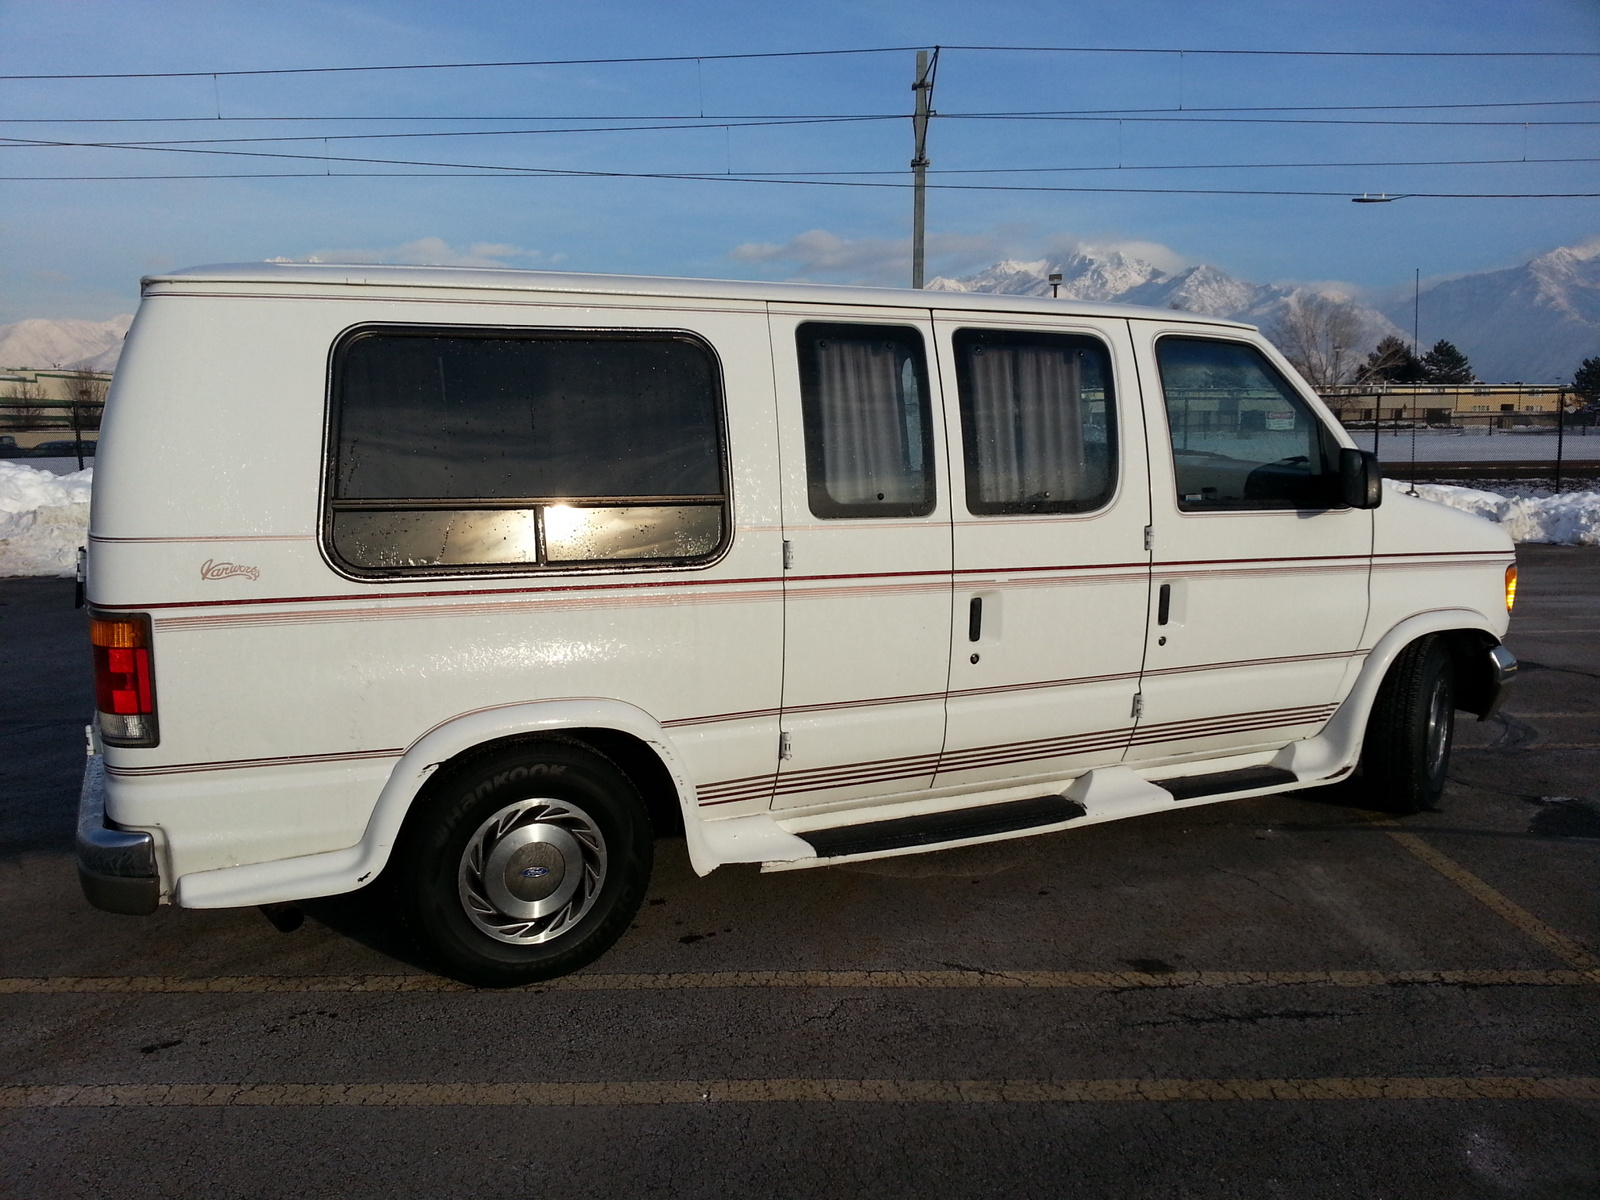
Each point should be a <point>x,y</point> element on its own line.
<point>116,868</point>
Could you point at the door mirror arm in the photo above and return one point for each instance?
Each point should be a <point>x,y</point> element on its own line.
<point>1360,478</point>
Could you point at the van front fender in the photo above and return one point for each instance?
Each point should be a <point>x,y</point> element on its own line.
<point>1335,751</point>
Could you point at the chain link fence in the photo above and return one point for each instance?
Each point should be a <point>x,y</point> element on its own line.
<point>1559,450</point>
<point>40,428</point>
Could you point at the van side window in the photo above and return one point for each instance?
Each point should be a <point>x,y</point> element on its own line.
<point>869,442</point>
<point>1038,421</point>
<point>467,449</point>
<point>1242,438</point>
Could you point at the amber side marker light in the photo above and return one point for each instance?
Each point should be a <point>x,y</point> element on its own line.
<point>124,678</point>
<point>1511,587</point>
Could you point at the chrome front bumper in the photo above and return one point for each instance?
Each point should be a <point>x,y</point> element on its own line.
<point>116,868</point>
<point>1502,672</point>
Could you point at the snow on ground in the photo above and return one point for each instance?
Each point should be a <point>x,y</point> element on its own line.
<point>1572,518</point>
<point>44,518</point>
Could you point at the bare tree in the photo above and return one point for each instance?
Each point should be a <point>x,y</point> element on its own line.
<point>87,391</point>
<point>20,404</point>
<point>1319,336</point>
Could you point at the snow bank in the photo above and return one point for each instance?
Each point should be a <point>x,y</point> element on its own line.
<point>44,518</point>
<point>1572,519</point>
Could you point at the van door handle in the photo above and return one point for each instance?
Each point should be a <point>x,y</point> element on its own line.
<point>1164,604</point>
<point>975,619</point>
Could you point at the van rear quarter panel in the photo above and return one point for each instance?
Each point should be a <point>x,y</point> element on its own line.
<point>286,689</point>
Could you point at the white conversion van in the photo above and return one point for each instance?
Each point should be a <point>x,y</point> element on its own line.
<point>479,581</point>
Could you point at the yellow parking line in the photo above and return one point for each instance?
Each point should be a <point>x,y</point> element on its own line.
<point>707,980</point>
<point>1558,943</point>
<point>785,1091</point>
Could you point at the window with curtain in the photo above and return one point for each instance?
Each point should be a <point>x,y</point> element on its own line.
<point>1038,421</point>
<point>868,427</point>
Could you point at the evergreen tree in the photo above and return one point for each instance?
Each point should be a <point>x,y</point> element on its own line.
<point>1586,380</point>
<point>1391,362</point>
<point>1445,364</point>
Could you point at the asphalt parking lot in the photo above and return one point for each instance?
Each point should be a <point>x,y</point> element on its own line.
<point>1276,997</point>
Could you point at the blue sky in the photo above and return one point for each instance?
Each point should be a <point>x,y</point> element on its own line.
<point>75,248</point>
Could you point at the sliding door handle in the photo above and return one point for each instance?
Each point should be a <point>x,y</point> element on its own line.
<point>1164,604</point>
<point>975,619</point>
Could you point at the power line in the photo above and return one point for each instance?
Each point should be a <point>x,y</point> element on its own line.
<point>447,133</point>
<point>1289,53</point>
<point>1420,162</point>
<point>1188,120</point>
<point>796,116</point>
<point>729,123</point>
<point>488,172</point>
<point>21,143</point>
<point>462,66</point>
<point>677,58</point>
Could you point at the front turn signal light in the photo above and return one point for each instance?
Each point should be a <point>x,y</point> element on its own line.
<point>124,678</point>
<point>1511,586</point>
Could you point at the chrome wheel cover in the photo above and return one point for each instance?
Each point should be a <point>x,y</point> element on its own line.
<point>532,871</point>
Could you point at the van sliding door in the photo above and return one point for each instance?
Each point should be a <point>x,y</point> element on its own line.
<point>1051,572</point>
<point>866,516</point>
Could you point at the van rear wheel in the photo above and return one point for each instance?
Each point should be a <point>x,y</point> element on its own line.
<point>1406,756</point>
<point>526,865</point>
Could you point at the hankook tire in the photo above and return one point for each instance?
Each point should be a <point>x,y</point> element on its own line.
<point>524,865</point>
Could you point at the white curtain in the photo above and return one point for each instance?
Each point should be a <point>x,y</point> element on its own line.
<point>866,401</point>
<point>1028,417</point>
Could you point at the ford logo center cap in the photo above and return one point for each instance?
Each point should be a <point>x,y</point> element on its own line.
<point>535,872</point>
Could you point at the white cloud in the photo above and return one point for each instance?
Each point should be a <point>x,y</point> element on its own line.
<point>427,252</point>
<point>1162,257</point>
<point>819,254</point>
<point>1334,289</point>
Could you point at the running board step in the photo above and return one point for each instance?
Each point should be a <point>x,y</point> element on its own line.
<point>1188,787</point>
<point>933,828</point>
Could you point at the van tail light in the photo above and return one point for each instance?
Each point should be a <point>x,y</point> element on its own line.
<point>1511,587</point>
<point>124,678</point>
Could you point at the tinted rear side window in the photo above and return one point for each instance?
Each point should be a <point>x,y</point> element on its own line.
<point>1038,421</point>
<point>1242,438</point>
<point>467,450</point>
<point>869,447</point>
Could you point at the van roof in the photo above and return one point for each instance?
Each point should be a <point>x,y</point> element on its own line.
<point>335,276</point>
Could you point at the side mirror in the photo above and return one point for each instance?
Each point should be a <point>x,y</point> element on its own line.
<point>1360,478</point>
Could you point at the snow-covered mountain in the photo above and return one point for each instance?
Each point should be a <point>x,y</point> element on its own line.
<point>1116,276</point>
<point>1086,275</point>
<point>72,344</point>
<point>1534,323</point>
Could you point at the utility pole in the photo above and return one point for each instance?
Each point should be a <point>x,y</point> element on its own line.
<point>926,69</point>
<point>1416,313</point>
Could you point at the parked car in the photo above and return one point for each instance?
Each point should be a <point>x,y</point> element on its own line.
<point>10,449</point>
<point>67,449</point>
<point>479,581</point>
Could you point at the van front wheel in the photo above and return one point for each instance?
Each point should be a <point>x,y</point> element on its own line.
<point>526,865</point>
<point>1406,756</point>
